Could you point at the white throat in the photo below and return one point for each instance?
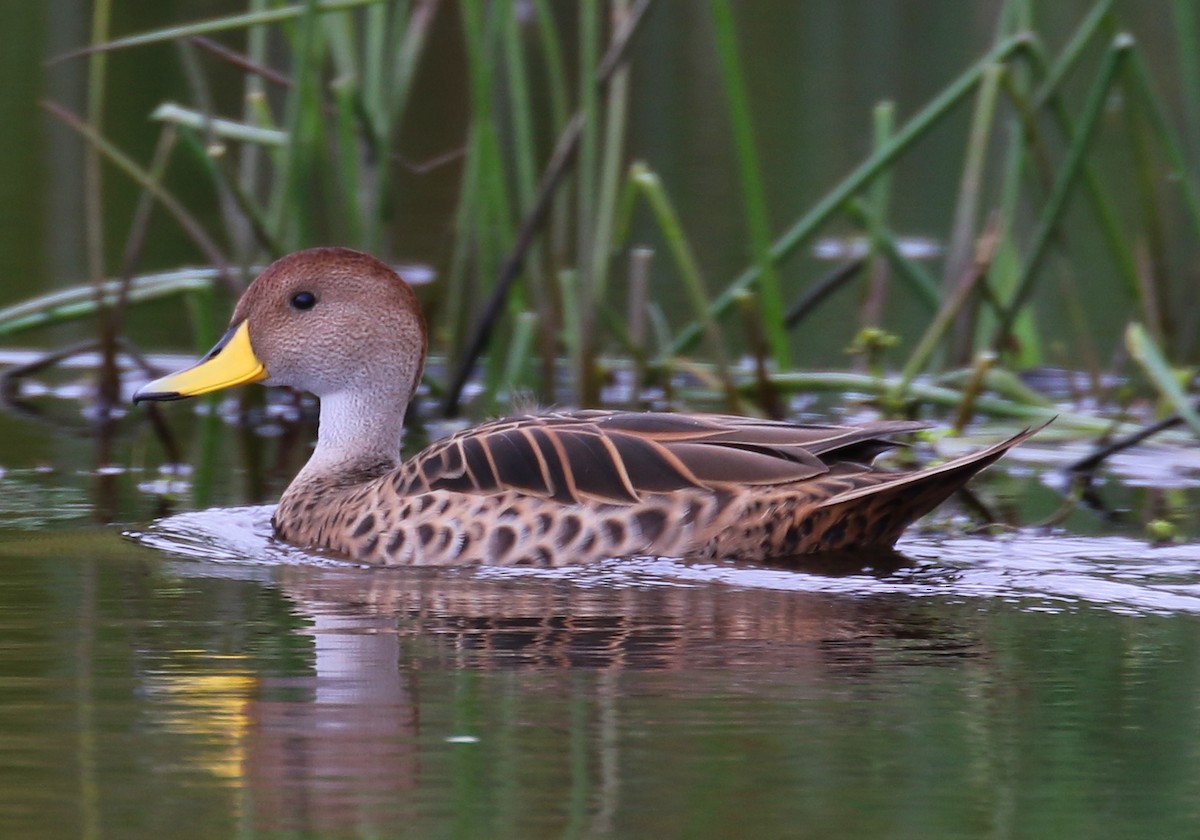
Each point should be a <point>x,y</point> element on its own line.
<point>357,428</point>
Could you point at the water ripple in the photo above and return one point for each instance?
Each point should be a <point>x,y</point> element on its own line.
<point>1036,571</point>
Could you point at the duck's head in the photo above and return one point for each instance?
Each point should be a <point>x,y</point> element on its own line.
<point>326,320</point>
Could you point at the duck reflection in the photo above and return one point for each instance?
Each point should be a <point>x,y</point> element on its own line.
<point>320,749</point>
<point>380,712</point>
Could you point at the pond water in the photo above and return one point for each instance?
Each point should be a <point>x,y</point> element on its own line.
<point>191,677</point>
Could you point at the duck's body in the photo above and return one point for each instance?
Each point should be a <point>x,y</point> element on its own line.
<point>543,489</point>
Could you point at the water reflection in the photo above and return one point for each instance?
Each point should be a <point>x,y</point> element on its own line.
<point>325,750</point>
<point>464,620</point>
<point>554,701</point>
<point>236,687</point>
<point>577,669</point>
<point>352,739</point>
<point>378,715</point>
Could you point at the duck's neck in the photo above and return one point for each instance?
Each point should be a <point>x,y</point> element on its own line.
<point>359,436</point>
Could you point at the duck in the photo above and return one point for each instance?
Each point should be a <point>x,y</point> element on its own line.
<point>544,489</point>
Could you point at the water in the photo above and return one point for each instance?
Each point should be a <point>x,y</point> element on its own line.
<point>180,673</point>
<point>197,681</point>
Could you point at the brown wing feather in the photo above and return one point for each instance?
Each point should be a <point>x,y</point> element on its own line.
<point>616,456</point>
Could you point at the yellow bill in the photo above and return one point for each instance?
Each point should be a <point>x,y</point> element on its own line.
<point>231,362</point>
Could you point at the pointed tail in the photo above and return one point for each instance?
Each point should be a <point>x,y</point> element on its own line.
<point>889,506</point>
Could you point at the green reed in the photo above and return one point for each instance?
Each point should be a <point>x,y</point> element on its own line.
<point>550,205</point>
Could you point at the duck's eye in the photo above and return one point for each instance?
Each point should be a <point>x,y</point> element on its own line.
<point>303,300</point>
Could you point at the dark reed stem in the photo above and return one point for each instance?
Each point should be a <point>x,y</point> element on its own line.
<point>553,175</point>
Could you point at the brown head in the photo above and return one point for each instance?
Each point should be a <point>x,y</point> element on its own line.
<point>325,320</point>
